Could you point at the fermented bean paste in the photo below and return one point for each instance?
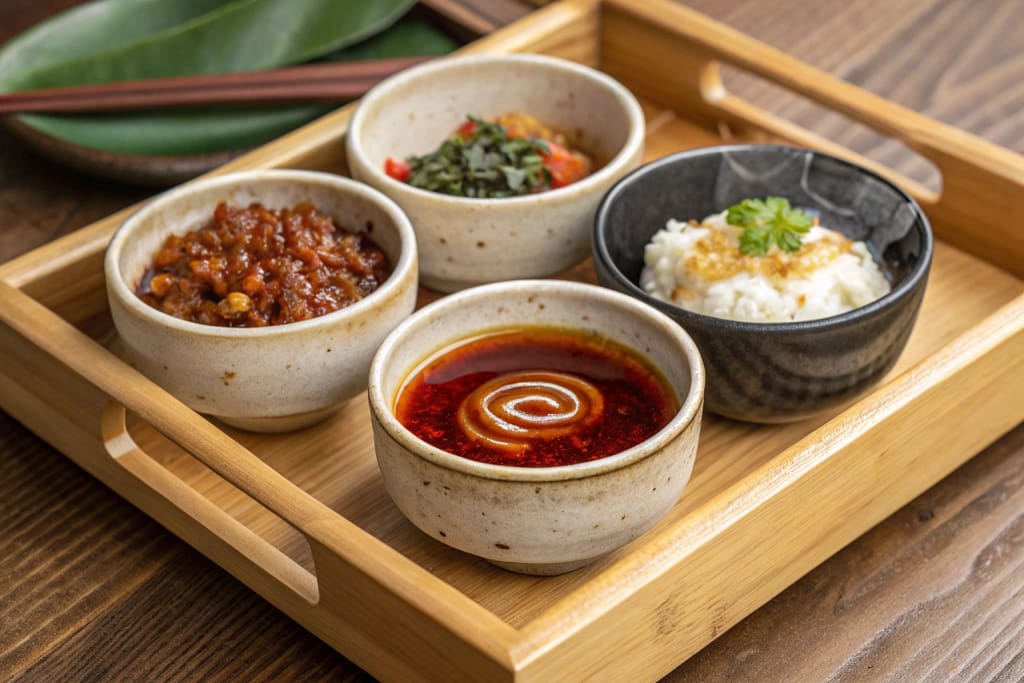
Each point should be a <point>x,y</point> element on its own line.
<point>253,266</point>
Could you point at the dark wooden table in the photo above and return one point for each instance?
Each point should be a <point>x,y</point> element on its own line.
<point>91,589</point>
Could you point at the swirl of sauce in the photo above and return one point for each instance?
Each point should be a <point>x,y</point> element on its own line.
<point>512,410</point>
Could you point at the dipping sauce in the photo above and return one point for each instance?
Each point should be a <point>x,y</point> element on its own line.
<point>536,397</point>
<point>253,266</point>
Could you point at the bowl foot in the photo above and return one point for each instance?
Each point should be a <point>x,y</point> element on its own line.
<point>281,423</point>
<point>544,569</point>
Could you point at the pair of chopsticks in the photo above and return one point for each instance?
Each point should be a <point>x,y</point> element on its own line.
<point>322,82</point>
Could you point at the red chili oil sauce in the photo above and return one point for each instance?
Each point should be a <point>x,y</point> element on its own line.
<point>536,397</point>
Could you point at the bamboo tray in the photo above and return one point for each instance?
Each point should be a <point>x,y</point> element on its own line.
<point>303,519</point>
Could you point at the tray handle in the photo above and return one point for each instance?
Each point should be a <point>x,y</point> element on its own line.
<point>981,181</point>
<point>358,577</point>
<point>122,447</point>
<point>172,418</point>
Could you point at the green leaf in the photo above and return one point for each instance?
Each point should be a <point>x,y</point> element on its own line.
<point>789,241</point>
<point>775,206</point>
<point>756,240</point>
<point>485,164</point>
<point>797,220</point>
<point>514,177</point>
<point>92,28</point>
<point>113,39</point>
<point>199,36</point>
<point>748,212</point>
<point>768,221</point>
<point>178,132</point>
<point>410,36</point>
<point>475,157</point>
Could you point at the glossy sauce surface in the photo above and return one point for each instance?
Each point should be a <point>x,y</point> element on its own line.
<point>536,397</point>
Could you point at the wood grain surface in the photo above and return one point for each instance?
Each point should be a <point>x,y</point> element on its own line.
<point>91,589</point>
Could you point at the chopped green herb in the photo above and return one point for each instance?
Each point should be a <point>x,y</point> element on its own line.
<point>486,163</point>
<point>768,221</point>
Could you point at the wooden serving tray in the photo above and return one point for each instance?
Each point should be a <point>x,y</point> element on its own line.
<point>303,518</point>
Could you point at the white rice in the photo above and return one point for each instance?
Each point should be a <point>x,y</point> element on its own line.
<point>817,282</point>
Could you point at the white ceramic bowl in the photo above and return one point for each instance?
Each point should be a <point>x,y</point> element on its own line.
<point>274,378</point>
<point>537,520</point>
<point>464,242</point>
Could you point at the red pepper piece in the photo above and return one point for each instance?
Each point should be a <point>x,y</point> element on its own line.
<point>466,130</point>
<point>565,168</point>
<point>397,169</point>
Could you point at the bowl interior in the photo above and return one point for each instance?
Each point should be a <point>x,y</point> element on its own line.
<point>415,112</point>
<point>353,207</point>
<point>693,185</point>
<point>426,335</point>
<point>547,303</point>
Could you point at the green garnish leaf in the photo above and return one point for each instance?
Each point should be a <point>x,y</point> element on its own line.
<point>515,177</point>
<point>756,240</point>
<point>486,164</point>
<point>768,221</point>
<point>475,157</point>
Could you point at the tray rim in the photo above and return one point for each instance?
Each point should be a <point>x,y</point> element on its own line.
<point>526,646</point>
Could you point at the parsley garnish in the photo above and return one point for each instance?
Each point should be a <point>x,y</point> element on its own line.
<point>767,221</point>
<point>487,164</point>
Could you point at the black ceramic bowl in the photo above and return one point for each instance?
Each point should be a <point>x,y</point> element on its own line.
<point>776,372</point>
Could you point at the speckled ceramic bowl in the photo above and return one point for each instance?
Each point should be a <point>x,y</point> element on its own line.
<point>536,520</point>
<point>464,242</point>
<point>273,378</point>
<point>777,372</point>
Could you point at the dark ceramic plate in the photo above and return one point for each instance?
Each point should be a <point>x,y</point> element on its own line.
<point>776,372</point>
<point>134,169</point>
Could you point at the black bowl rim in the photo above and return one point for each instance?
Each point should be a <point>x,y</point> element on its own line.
<point>901,291</point>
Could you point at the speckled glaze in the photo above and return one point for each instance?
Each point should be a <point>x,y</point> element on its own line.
<point>273,378</point>
<point>464,242</point>
<point>536,520</point>
<point>777,372</point>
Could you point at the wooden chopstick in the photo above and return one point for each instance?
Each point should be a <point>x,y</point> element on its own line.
<point>322,82</point>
